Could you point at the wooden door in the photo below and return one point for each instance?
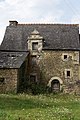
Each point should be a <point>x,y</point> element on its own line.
<point>55,86</point>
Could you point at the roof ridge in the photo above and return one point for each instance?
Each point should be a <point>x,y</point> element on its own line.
<point>48,24</point>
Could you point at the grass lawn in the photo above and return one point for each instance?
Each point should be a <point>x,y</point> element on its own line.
<point>39,107</point>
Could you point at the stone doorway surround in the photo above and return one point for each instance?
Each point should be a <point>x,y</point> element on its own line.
<point>55,86</point>
<point>53,79</point>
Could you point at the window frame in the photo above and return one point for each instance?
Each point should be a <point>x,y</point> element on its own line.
<point>63,58</point>
<point>69,55</point>
<point>66,73</point>
<point>34,81</point>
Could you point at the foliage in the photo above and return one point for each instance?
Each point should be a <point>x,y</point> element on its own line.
<point>38,89</point>
<point>39,107</point>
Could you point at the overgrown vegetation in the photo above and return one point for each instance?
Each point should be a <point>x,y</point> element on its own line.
<point>39,107</point>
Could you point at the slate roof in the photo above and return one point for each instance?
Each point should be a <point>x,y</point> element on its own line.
<point>56,36</point>
<point>12,59</point>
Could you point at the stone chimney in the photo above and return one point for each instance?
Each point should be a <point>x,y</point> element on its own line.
<point>13,23</point>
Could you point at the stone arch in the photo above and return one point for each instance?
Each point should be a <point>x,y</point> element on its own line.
<point>55,78</point>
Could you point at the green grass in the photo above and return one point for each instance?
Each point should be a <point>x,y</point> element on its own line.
<point>39,107</point>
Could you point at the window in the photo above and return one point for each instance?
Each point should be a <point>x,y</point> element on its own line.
<point>32,78</point>
<point>35,46</point>
<point>68,73</point>
<point>1,80</point>
<point>65,56</point>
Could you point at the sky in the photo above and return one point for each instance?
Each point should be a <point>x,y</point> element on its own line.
<point>38,11</point>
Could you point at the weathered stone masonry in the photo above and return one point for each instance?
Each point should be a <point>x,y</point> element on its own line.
<point>52,65</point>
<point>45,54</point>
<point>13,71</point>
<point>10,80</point>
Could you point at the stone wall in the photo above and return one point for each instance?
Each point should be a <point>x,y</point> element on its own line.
<point>52,64</point>
<point>13,80</point>
<point>23,75</point>
<point>9,83</point>
<point>47,65</point>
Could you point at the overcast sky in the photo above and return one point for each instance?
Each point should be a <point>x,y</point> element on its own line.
<point>38,11</point>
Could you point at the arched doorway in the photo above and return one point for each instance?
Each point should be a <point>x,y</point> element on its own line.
<point>55,86</point>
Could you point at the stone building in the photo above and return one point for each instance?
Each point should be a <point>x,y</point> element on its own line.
<point>42,54</point>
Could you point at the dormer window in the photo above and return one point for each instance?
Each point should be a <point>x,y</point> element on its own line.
<point>35,46</point>
<point>35,42</point>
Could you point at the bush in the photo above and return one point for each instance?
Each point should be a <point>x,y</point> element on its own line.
<point>38,89</point>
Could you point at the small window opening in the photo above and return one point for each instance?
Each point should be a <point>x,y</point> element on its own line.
<point>35,46</point>
<point>32,78</point>
<point>68,73</point>
<point>1,80</point>
<point>65,56</point>
<point>13,56</point>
